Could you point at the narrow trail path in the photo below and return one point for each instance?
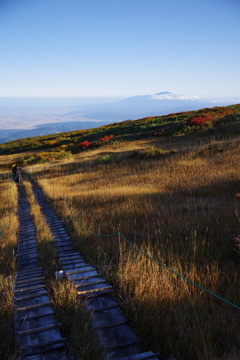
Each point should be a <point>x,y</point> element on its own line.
<point>115,334</point>
<point>36,328</point>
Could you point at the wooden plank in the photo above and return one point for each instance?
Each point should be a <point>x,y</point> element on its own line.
<point>35,330</point>
<point>30,288</point>
<point>59,232</point>
<point>24,257</point>
<point>84,274</point>
<point>58,355</point>
<point>65,245</point>
<point>26,246</point>
<point>27,260</point>
<point>29,271</point>
<point>34,312</point>
<point>70,259</point>
<point>56,226</point>
<point>25,234</point>
<point>29,280</point>
<point>40,346</point>
<point>143,356</point>
<point>60,235</point>
<point>109,325</point>
<point>72,254</point>
<point>108,318</point>
<point>26,239</point>
<point>91,294</point>
<point>33,306</point>
<point>116,338</point>
<point>28,276</point>
<point>34,295</point>
<point>100,303</point>
<point>23,319</point>
<point>62,239</point>
<point>27,264</point>
<point>35,322</point>
<point>83,268</point>
<point>89,289</point>
<point>88,281</point>
<point>74,262</point>
<point>27,253</point>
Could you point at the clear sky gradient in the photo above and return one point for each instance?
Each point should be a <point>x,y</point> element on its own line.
<point>119,47</point>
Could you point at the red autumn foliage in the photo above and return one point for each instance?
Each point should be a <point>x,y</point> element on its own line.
<point>226,112</point>
<point>106,138</point>
<point>84,144</point>
<point>198,120</point>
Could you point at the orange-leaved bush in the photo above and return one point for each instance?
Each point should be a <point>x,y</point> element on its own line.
<point>199,120</point>
<point>106,138</point>
<point>84,144</point>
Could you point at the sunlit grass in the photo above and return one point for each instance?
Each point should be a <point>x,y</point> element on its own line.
<point>182,210</point>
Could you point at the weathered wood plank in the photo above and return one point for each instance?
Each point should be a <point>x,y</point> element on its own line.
<point>20,253</point>
<point>34,312</point>
<point>108,317</point>
<point>29,280</point>
<point>73,262</point>
<point>33,306</point>
<point>36,322</point>
<point>58,355</point>
<point>76,267</point>
<point>69,255</point>
<point>84,274</point>
<point>100,303</point>
<point>29,288</point>
<point>26,238</point>
<point>88,281</point>
<point>36,330</point>
<point>93,289</point>
<point>143,356</point>
<point>20,272</point>
<point>70,259</point>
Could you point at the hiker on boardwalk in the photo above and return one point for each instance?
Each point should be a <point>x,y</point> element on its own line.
<point>17,173</point>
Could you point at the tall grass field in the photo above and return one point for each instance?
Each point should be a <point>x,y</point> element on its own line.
<point>159,216</point>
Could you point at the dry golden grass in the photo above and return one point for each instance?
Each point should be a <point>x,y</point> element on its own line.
<point>8,238</point>
<point>183,211</point>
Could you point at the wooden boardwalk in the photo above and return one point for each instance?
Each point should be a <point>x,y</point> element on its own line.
<point>36,328</point>
<point>113,330</point>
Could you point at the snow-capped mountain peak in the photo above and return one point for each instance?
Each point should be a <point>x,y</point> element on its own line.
<point>166,95</point>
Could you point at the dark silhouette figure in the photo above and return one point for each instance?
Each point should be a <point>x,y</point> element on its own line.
<point>17,173</point>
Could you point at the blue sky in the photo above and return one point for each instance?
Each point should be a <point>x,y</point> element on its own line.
<point>119,47</point>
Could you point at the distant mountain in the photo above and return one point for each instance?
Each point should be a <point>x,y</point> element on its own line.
<point>136,107</point>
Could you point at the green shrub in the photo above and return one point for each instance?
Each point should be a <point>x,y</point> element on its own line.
<point>152,151</point>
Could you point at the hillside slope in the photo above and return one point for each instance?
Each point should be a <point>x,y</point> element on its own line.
<point>217,122</point>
